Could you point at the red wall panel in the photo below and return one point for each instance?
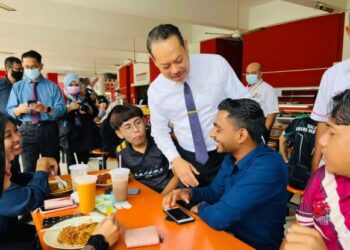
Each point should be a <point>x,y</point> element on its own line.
<point>153,69</point>
<point>305,44</point>
<point>124,82</point>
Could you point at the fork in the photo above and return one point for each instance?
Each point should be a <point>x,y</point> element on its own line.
<point>60,183</point>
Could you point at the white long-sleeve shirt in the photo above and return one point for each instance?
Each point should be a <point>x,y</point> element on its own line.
<point>211,80</point>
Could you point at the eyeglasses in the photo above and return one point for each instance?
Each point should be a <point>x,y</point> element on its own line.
<point>130,128</point>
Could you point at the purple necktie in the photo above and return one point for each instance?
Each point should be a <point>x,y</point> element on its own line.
<point>197,135</point>
<point>35,115</point>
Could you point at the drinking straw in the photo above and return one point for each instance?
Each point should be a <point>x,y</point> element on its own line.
<point>76,158</point>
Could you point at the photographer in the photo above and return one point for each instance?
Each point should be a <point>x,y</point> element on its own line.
<point>76,126</point>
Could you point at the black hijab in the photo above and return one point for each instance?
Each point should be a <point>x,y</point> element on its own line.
<point>3,121</point>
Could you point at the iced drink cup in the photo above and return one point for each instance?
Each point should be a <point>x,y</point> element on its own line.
<point>86,186</point>
<point>75,171</point>
<point>120,178</point>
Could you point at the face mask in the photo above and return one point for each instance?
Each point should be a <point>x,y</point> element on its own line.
<point>73,90</point>
<point>17,75</point>
<point>251,79</point>
<point>32,74</point>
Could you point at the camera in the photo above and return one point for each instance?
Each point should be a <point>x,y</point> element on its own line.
<point>85,102</point>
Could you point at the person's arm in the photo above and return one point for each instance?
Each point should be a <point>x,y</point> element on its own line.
<point>283,147</point>
<point>172,184</point>
<point>270,119</point>
<point>104,235</point>
<point>257,187</point>
<point>59,107</point>
<point>14,108</point>
<point>20,199</point>
<point>161,134</point>
<point>321,129</point>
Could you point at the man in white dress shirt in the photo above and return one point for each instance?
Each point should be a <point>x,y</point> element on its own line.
<point>335,80</point>
<point>264,94</point>
<point>209,79</point>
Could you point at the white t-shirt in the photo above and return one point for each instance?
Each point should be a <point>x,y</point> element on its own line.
<point>334,81</point>
<point>266,96</point>
<point>211,80</point>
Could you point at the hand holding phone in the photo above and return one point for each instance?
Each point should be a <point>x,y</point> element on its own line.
<point>31,103</point>
<point>178,215</point>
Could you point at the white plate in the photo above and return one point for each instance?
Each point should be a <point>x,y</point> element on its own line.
<point>51,234</point>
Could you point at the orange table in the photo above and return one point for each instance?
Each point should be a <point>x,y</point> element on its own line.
<point>146,210</point>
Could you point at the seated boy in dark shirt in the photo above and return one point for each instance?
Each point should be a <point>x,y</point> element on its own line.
<point>139,152</point>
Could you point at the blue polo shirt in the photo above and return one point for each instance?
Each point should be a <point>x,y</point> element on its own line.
<point>248,198</point>
<point>48,93</point>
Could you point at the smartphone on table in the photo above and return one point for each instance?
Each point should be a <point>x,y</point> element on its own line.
<point>178,215</point>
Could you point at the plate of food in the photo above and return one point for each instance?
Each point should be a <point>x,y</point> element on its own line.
<point>56,191</point>
<point>71,233</point>
<point>104,180</point>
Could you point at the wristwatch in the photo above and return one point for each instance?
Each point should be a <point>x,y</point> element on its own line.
<point>48,110</point>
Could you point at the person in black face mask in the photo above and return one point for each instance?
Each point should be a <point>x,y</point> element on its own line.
<point>14,73</point>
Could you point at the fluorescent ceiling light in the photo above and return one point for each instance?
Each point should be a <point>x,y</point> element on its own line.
<point>5,7</point>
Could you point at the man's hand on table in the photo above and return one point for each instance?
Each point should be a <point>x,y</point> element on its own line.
<point>179,194</point>
<point>185,171</point>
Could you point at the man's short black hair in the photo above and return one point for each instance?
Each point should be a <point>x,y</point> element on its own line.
<point>9,61</point>
<point>245,113</point>
<point>340,112</point>
<point>32,54</point>
<point>163,32</point>
<point>122,113</point>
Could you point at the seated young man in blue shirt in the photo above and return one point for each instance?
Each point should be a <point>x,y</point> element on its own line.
<point>248,195</point>
<point>139,152</point>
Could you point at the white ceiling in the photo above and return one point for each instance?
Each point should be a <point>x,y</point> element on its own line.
<point>72,34</point>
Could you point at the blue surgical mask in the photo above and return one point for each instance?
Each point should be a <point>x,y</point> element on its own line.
<point>32,74</point>
<point>251,79</point>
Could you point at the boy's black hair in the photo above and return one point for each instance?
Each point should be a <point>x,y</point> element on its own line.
<point>32,54</point>
<point>340,112</point>
<point>163,32</point>
<point>122,113</point>
<point>245,113</point>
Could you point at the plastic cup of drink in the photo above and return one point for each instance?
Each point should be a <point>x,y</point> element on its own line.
<point>75,171</point>
<point>86,185</point>
<point>120,178</point>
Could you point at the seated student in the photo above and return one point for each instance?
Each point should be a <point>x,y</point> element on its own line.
<point>300,134</point>
<point>139,152</point>
<point>324,213</point>
<point>17,199</point>
<point>104,235</point>
<point>247,197</point>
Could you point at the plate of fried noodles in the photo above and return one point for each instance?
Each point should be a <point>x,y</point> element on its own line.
<point>71,233</point>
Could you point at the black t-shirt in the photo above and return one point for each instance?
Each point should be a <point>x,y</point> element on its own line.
<point>300,134</point>
<point>150,168</point>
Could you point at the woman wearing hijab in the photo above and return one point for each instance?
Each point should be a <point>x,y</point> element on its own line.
<point>76,126</point>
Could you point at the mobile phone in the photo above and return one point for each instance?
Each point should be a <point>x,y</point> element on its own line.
<point>31,102</point>
<point>133,191</point>
<point>178,215</point>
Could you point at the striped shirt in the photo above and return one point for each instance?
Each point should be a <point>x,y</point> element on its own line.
<point>326,208</point>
